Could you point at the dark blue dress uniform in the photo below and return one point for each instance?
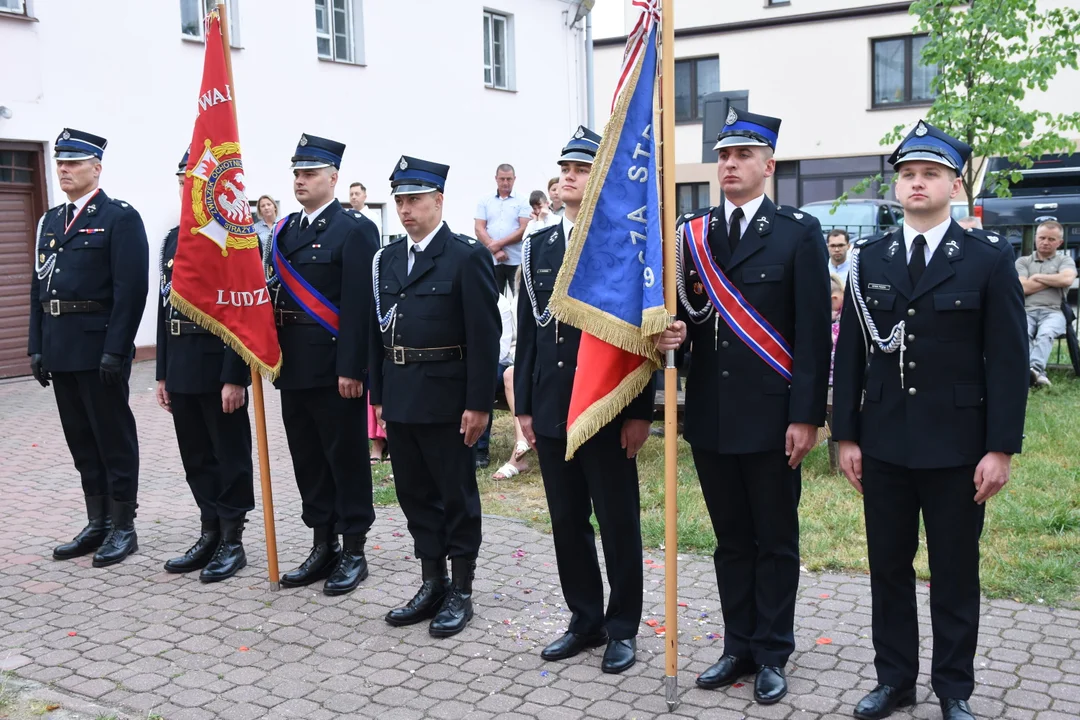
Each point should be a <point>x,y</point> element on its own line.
<point>600,477</point>
<point>215,446</point>
<point>945,386</point>
<point>326,433</point>
<point>87,298</point>
<point>434,355</point>
<point>738,409</point>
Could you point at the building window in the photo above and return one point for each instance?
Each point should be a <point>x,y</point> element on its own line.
<point>799,182</point>
<point>498,51</point>
<point>16,166</point>
<point>192,13</point>
<point>899,76</point>
<point>13,7</point>
<point>694,79</point>
<point>692,196</point>
<point>339,30</point>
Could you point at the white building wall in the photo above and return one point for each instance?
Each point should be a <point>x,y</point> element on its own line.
<point>122,69</point>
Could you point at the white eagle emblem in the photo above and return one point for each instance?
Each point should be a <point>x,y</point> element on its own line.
<point>732,117</point>
<point>579,134</point>
<point>798,216</point>
<point>66,135</point>
<point>303,140</point>
<point>921,130</point>
<point>403,165</point>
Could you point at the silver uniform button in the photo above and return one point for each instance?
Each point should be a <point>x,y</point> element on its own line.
<point>911,311</point>
<point>724,344</point>
<point>911,337</point>
<point>724,374</point>
<point>957,303</point>
<point>911,391</point>
<point>911,366</point>
<point>560,363</point>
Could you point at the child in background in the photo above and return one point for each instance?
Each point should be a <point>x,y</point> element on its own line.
<point>837,306</point>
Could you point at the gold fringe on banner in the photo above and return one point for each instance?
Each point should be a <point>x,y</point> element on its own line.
<point>607,408</point>
<point>213,325</point>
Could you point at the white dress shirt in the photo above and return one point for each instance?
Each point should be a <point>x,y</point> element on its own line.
<point>567,226</point>
<point>749,210</point>
<point>415,247</point>
<point>933,237</point>
<point>310,217</point>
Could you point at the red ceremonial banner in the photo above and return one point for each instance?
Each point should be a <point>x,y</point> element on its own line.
<point>218,279</point>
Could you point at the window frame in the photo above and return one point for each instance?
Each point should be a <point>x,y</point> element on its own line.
<point>233,12</point>
<point>701,193</point>
<point>696,113</point>
<point>909,68</point>
<point>354,10</point>
<point>22,11</point>
<point>488,33</point>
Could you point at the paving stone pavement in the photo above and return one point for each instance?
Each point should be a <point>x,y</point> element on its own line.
<point>142,642</point>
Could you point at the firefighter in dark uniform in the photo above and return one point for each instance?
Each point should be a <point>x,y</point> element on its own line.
<point>603,473</point>
<point>755,395</point>
<point>87,297</point>
<point>326,249</point>
<point>434,356</point>
<point>203,383</point>
<point>930,391</point>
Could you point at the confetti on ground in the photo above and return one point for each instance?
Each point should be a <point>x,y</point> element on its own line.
<point>72,633</point>
<point>543,673</point>
<point>51,707</point>
<point>682,604</point>
<point>376,547</point>
<point>823,595</point>
<point>661,630</point>
<point>651,622</point>
<point>244,648</point>
<point>519,553</point>
<point>738,685</point>
<point>397,534</point>
<point>824,641</point>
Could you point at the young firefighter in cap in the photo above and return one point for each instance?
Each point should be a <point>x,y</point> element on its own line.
<point>603,474</point>
<point>929,397</point>
<point>315,262</point>
<point>87,297</point>
<point>203,384</point>
<point>434,356</point>
<point>755,295</point>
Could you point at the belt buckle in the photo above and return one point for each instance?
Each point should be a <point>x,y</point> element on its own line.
<point>399,355</point>
<point>54,308</point>
<point>174,327</point>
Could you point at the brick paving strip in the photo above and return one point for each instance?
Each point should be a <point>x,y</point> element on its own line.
<point>139,641</point>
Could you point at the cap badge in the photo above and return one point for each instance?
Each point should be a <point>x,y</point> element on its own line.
<point>732,117</point>
<point>921,129</point>
<point>579,134</point>
<point>403,165</point>
<point>303,140</point>
<point>66,135</point>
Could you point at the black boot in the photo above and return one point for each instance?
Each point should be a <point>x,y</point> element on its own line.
<point>319,564</point>
<point>429,597</point>
<point>121,540</point>
<point>91,536</point>
<point>351,568</point>
<point>199,554</point>
<point>456,610</point>
<point>230,557</point>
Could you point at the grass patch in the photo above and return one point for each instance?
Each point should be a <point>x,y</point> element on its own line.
<point>1030,544</point>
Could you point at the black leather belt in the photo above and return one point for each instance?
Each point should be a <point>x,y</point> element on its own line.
<point>292,317</point>
<point>60,307</point>
<point>186,327</point>
<point>402,355</point>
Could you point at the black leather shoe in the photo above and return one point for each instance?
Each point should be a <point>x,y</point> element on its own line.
<point>90,537</point>
<point>456,610</point>
<point>351,567</point>
<point>325,552</point>
<point>953,709</point>
<point>230,557</point>
<point>483,459</point>
<point>619,656</point>
<point>199,554</point>
<point>427,600</point>
<point>725,671</point>
<point>121,540</point>
<point>882,700</point>
<point>769,685</point>
<point>571,644</point>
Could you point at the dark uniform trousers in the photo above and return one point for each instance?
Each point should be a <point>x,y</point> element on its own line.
<point>962,393</point>
<point>447,301</point>
<point>327,433</point>
<point>102,257</point>
<point>738,410</point>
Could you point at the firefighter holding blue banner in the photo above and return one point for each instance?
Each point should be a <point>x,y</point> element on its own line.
<point>754,302</point>
<point>316,262</point>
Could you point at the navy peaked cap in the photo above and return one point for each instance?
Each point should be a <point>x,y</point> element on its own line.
<point>926,142</point>
<point>742,128</point>
<point>582,147</point>
<point>412,176</point>
<point>78,145</point>
<point>315,152</point>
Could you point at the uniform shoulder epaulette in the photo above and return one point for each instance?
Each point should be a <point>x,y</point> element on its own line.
<point>788,211</point>
<point>465,239</point>
<point>992,239</point>
<point>694,214</point>
<point>864,241</point>
<point>544,232</point>
<point>121,203</point>
<point>394,239</point>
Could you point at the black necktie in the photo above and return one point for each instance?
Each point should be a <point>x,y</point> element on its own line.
<point>304,224</point>
<point>415,251</point>
<point>735,230</point>
<point>71,210</point>
<point>917,265</point>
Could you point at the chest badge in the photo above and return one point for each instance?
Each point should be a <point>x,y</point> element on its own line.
<point>699,288</point>
<point>41,257</point>
<point>316,246</point>
<point>91,209</point>
<point>894,247</point>
<point>877,286</point>
<point>52,243</point>
<point>169,264</point>
<point>951,248</point>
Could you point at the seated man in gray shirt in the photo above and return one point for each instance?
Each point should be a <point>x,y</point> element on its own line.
<point>1046,277</point>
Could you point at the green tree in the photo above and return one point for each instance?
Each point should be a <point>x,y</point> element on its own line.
<point>990,54</point>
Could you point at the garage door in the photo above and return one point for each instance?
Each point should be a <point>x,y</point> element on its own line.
<point>18,218</point>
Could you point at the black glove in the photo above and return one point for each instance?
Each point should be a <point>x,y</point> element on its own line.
<point>112,369</point>
<point>42,376</point>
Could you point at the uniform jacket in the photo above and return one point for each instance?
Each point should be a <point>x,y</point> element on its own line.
<point>545,359</point>
<point>965,383</point>
<point>449,299</point>
<point>333,254</point>
<point>735,402</point>
<point>103,257</point>
<point>191,362</point>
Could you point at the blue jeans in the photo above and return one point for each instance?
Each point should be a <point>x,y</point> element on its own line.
<point>1045,324</point>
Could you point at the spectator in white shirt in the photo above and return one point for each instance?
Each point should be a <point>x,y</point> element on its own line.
<point>542,216</point>
<point>839,243</point>
<point>500,224</point>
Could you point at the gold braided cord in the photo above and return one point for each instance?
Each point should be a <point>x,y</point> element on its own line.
<point>215,326</point>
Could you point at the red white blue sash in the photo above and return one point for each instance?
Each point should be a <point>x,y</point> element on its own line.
<point>311,300</point>
<point>740,316</point>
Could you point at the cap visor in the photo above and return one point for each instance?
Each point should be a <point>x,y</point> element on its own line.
<point>581,157</point>
<point>926,157</point>
<point>309,164</point>
<point>412,190</point>
<point>74,155</point>
<point>738,141</point>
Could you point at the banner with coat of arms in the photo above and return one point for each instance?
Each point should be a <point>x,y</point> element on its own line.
<point>218,279</point>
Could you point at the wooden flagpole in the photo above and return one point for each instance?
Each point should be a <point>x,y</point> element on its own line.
<point>671,376</point>
<point>256,378</point>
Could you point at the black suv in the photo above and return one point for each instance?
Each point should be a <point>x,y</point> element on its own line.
<point>860,217</point>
